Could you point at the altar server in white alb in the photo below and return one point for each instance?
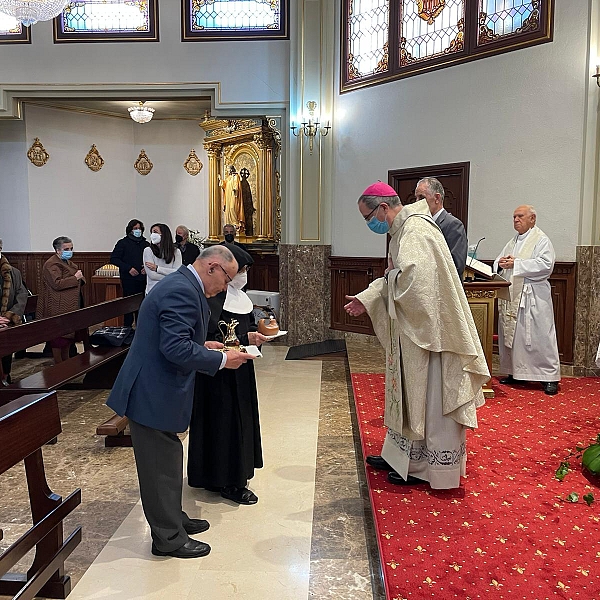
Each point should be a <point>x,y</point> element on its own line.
<point>526,333</point>
<point>435,367</point>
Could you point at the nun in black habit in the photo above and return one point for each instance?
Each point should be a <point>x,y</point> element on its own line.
<point>224,439</point>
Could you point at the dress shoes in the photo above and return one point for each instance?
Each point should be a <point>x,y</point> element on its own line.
<point>394,478</point>
<point>509,380</point>
<point>378,462</point>
<point>194,526</point>
<point>239,495</point>
<point>191,549</point>
<point>550,387</point>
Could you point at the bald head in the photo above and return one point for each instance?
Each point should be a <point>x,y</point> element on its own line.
<point>216,266</point>
<point>524,218</point>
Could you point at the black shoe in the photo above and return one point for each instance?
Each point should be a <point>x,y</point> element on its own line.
<point>239,495</point>
<point>509,380</point>
<point>394,478</point>
<point>191,549</point>
<point>194,526</point>
<point>377,462</point>
<point>550,387</point>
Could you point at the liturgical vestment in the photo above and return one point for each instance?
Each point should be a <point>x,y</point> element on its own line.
<point>526,331</point>
<point>435,366</point>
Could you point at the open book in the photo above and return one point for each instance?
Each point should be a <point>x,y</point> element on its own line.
<point>479,268</point>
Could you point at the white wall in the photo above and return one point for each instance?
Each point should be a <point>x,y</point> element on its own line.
<point>249,71</point>
<point>66,198</point>
<point>518,118</point>
<point>14,196</point>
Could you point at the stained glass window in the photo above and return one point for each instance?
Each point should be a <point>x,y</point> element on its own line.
<point>499,18</point>
<point>431,28</point>
<point>11,31</point>
<point>391,39</point>
<point>368,26</point>
<point>110,20</point>
<point>231,19</point>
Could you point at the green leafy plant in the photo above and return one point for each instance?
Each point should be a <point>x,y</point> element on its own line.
<point>590,459</point>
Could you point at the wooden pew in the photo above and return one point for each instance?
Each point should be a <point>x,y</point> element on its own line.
<point>99,365</point>
<point>26,424</point>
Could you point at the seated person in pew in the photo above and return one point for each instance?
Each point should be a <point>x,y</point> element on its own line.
<point>62,281</point>
<point>12,305</point>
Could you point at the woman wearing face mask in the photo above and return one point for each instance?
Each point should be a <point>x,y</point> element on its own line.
<point>128,256</point>
<point>162,257</point>
<point>61,292</point>
<point>224,439</point>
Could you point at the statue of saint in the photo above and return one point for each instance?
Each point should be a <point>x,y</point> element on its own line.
<point>248,205</point>
<point>232,200</point>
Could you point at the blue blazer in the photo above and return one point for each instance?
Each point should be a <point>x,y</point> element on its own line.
<point>155,386</point>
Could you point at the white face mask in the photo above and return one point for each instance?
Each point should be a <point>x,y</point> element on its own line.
<point>239,281</point>
<point>155,238</point>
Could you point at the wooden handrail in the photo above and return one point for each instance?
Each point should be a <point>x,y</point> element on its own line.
<point>13,339</point>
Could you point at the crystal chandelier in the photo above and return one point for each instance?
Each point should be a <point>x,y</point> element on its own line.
<point>140,113</point>
<point>29,12</point>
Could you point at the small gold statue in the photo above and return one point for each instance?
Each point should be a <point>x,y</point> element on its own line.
<point>230,339</point>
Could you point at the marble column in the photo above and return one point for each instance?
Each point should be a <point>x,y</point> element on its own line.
<point>305,287</point>
<point>587,311</point>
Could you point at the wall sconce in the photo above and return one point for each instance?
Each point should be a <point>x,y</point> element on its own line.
<point>310,127</point>
<point>597,75</point>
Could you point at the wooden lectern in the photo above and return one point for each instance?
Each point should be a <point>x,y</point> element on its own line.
<point>482,298</point>
<point>107,286</point>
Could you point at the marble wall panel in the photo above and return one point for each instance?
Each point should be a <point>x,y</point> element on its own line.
<point>305,287</point>
<point>587,311</point>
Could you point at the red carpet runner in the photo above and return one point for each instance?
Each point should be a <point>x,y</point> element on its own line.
<point>505,533</point>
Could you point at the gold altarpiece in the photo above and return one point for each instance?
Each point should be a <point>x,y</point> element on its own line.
<point>251,144</point>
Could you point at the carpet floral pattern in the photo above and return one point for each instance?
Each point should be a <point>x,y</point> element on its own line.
<point>507,532</point>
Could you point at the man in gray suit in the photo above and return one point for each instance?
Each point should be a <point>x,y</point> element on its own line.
<point>155,389</point>
<point>430,189</point>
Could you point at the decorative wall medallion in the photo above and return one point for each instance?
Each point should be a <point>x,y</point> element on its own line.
<point>93,159</point>
<point>192,165</point>
<point>37,153</point>
<point>143,165</point>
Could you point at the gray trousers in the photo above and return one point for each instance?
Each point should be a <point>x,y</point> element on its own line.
<point>159,462</point>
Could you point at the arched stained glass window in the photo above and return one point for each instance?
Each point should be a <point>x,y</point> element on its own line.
<point>11,31</point>
<point>234,19</point>
<point>109,20</point>
<point>391,39</point>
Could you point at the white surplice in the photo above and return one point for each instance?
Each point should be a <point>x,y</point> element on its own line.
<point>533,354</point>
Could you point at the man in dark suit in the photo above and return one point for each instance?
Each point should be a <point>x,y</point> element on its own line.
<point>155,389</point>
<point>432,190</point>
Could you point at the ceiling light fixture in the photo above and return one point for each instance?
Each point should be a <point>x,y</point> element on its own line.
<point>29,12</point>
<point>140,113</point>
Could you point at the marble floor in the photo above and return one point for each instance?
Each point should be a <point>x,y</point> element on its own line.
<point>309,536</point>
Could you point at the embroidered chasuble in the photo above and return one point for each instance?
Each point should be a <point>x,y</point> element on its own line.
<point>234,208</point>
<point>526,331</point>
<point>435,366</point>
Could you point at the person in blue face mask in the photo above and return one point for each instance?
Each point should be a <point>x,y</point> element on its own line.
<point>62,280</point>
<point>435,367</point>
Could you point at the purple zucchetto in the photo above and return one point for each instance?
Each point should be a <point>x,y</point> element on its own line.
<point>380,189</point>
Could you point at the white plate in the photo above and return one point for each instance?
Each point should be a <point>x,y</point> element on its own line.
<point>279,334</point>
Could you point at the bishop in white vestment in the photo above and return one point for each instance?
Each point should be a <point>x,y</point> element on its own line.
<point>435,367</point>
<point>526,332</point>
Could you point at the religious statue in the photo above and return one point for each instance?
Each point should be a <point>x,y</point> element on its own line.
<point>232,201</point>
<point>248,205</point>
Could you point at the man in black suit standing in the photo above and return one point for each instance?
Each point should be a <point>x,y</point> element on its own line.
<point>155,389</point>
<point>430,189</point>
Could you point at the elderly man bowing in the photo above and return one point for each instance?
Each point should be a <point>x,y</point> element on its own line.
<point>526,333</point>
<point>435,367</point>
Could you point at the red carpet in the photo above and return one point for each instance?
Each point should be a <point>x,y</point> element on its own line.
<point>505,533</point>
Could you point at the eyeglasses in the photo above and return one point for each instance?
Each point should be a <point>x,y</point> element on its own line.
<point>368,217</point>
<point>229,280</point>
